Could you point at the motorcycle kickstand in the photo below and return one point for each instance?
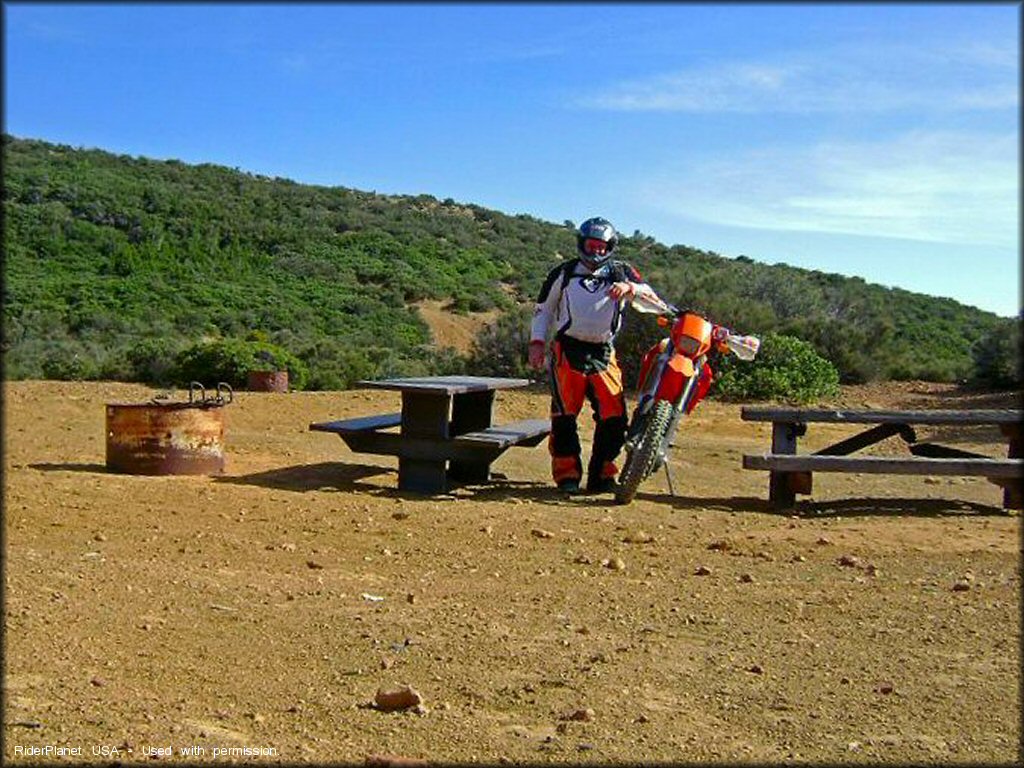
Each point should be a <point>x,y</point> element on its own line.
<point>668,476</point>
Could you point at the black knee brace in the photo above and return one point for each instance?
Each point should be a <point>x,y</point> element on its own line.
<point>609,437</point>
<point>565,436</point>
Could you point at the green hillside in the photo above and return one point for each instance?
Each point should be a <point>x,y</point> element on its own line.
<point>114,263</point>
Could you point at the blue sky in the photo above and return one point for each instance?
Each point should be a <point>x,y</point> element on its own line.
<point>877,140</point>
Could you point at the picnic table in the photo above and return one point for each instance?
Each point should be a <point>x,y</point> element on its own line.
<point>790,472</point>
<point>446,432</point>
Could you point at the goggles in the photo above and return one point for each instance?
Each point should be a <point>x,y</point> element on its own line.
<point>595,246</point>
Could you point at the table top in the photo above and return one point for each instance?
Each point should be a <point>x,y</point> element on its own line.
<point>446,385</point>
<point>855,416</point>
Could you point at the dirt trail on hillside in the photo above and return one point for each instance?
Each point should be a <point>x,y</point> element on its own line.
<point>264,609</point>
<point>451,329</point>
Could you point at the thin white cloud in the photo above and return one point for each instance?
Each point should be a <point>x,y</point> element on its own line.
<point>296,62</point>
<point>932,187</point>
<point>55,33</point>
<point>523,52</point>
<point>841,79</point>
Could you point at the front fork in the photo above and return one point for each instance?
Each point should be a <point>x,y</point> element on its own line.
<point>647,399</point>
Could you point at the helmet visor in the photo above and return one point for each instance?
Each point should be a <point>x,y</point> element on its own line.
<point>595,246</point>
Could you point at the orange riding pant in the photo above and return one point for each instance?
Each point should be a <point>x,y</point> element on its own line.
<point>600,383</point>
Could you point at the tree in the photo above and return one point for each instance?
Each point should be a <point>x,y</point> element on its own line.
<point>997,357</point>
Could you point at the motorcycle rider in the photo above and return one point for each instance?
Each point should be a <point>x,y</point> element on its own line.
<point>581,304</point>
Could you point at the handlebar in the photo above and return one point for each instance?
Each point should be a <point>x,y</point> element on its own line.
<point>653,305</point>
<point>745,347</point>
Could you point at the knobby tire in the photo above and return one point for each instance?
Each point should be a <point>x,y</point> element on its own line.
<point>642,459</point>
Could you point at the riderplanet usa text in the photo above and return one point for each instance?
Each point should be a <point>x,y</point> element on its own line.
<point>49,750</point>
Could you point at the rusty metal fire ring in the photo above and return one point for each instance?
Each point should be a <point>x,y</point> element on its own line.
<point>164,437</point>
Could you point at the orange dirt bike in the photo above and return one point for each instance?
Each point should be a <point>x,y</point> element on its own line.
<point>674,377</point>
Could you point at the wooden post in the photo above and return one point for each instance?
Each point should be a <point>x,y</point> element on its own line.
<point>782,486</point>
<point>1013,491</point>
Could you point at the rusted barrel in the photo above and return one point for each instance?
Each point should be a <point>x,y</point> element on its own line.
<point>159,438</point>
<point>268,381</point>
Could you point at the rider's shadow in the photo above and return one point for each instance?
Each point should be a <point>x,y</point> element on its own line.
<point>721,503</point>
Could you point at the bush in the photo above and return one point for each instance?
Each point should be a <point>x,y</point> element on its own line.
<point>153,361</point>
<point>997,357</point>
<point>231,360</point>
<point>335,365</point>
<point>67,365</point>
<point>785,369</point>
<point>501,348</point>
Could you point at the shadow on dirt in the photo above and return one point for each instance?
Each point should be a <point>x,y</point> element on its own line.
<point>327,476</point>
<point>718,503</point>
<point>69,467</point>
<point>894,507</point>
<point>547,494</point>
<point>501,489</point>
<point>347,478</point>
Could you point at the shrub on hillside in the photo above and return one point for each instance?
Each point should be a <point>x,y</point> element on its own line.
<point>77,360</point>
<point>153,361</point>
<point>335,365</point>
<point>501,347</point>
<point>785,369</point>
<point>65,364</point>
<point>997,357</point>
<point>231,360</point>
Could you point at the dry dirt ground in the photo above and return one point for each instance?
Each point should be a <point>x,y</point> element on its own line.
<point>263,609</point>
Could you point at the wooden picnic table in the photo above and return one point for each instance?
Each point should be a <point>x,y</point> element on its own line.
<point>446,435</point>
<point>791,472</point>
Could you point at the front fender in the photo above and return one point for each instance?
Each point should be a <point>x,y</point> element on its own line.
<point>677,371</point>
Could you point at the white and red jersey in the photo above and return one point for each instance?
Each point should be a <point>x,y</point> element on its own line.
<point>574,301</point>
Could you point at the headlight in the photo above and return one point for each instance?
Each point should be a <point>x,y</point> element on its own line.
<point>687,345</point>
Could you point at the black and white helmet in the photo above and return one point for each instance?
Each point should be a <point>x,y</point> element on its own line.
<point>595,241</point>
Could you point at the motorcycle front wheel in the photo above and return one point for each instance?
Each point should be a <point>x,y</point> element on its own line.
<point>643,458</point>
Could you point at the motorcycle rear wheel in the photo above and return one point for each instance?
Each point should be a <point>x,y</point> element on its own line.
<point>642,460</point>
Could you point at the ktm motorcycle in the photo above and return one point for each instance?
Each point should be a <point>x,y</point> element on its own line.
<point>674,377</point>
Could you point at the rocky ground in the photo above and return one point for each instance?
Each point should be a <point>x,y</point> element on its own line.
<point>267,608</point>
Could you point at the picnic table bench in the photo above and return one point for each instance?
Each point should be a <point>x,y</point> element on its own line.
<point>791,473</point>
<point>446,435</point>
